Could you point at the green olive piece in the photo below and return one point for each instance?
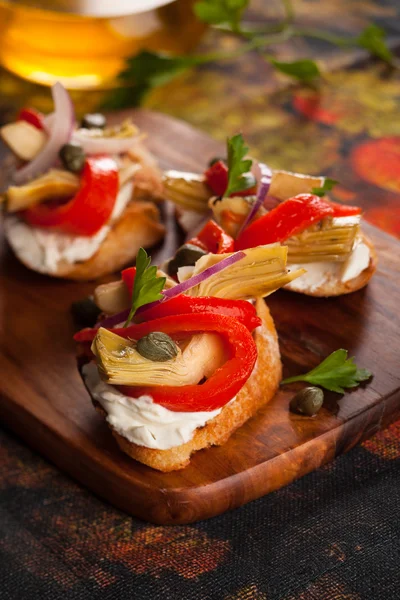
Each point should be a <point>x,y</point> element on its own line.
<point>157,346</point>
<point>72,157</point>
<point>307,401</point>
<point>94,121</point>
<point>85,312</point>
<point>186,256</point>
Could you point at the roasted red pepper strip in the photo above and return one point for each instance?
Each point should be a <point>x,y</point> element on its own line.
<point>226,381</point>
<point>217,180</point>
<point>213,238</point>
<point>242,311</point>
<point>90,208</point>
<point>31,116</point>
<point>289,218</point>
<point>128,277</point>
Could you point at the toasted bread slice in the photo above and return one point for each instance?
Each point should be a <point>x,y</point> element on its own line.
<point>333,286</point>
<point>139,225</point>
<point>258,390</point>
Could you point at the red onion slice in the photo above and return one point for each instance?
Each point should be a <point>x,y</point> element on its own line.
<point>48,121</point>
<point>181,288</point>
<point>105,145</point>
<point>114,319</point>
<point>187,285</point>
<point>264,182</point>
<point>60,134</point>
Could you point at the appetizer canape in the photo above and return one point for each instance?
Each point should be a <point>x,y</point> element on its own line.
<point>322,236</point>
<point>77,206</point>
<point>180,361</point>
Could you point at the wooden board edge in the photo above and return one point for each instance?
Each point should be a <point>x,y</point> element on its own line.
<point>178,506</point>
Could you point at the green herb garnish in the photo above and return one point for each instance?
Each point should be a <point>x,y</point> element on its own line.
<point>304,70</point>
<point>147,286</point>
<point>147,70</point>
<point>221,12</point>
<point>335,373</point>
<point>373,39</point>
<point>328,185</point>
<point>239,178</point>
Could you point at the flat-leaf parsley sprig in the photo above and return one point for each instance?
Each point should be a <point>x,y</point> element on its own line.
<point>335,373</point>
<point>239,176</point>
<point>147,285</point>
<point>328,185</point>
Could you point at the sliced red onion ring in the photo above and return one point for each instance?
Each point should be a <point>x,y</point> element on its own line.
<point>187,285</point>
<point>105,145</point>
<point>181,288</point>
<point>114,319</point>
<point>264,182</point>
<point>48,121</point>
<point>62,127</point>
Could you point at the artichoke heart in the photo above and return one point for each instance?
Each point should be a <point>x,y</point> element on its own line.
<point>113,297</point>
<point>330,240</point>
<point>57,183</point>
<point>122,130</point>
<point>23,139</point>
<point>119,362</point>
<point>258,274</point>
<point>186,190</point>
<point>285,184</point>
<point>231,212</point>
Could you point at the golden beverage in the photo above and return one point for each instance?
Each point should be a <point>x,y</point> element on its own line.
<point>83,43</point>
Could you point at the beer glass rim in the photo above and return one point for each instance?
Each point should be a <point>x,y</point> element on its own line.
<point>92,8</point>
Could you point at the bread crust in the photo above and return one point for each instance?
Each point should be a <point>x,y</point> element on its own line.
<point>139,225</point>
<point>259,389</point>
<point>335,287</point>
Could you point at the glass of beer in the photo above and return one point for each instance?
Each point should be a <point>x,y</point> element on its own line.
<point>83,43</point>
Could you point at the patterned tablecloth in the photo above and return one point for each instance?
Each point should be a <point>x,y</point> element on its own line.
<point>333,535</point>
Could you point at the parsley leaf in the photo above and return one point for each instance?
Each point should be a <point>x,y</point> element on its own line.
<point>218,12</point>
<point>335,373</point>
<point>304,70</point>
<point>373,40</point>
<point>326,187</point>
<point>239,177</point>
<point>147,286</point>
<point>150,69</point>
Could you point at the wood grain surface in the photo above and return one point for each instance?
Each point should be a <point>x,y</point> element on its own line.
<point>44,401</point>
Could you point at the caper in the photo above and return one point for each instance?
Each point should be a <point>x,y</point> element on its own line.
<point>85,312</point>
<point>157,346</point>
<point>94,121</point>
<point>72,157</point>
<point>215,160</point>
<point>186,256</point>
<point>307,401</point>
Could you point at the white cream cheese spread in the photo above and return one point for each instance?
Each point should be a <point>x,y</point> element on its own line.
<point>43,249</point>
<point>319,273</point>
<point>142,421</point>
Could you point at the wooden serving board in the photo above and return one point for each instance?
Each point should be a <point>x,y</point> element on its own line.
<point>44,401</point>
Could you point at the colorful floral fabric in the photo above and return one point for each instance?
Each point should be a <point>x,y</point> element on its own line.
<point>333,535</point>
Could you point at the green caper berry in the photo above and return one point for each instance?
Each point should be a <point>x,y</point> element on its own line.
<point>186,256</point>
<point>157,346</point>
<point>307,401</point>
<point>85,312</point>
<point>215,160</point>
<point>72,157</point>
<point>94,121</point>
